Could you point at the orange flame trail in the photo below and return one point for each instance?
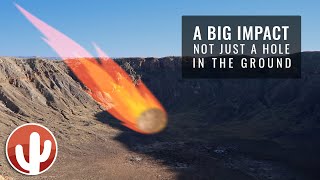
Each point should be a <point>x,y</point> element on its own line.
<point>107,82</point>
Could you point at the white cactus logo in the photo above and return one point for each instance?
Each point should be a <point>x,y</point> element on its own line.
<point>31,149</point>
<point>35,158</point>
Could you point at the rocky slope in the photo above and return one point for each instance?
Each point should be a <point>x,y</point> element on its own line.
<point>223,129</point>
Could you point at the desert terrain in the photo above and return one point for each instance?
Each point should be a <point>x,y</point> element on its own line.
<point>218,129</point>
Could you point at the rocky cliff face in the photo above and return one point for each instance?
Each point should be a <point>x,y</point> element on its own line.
<point>281,115</point>
<point>28,85</point>
<point>230,99</point>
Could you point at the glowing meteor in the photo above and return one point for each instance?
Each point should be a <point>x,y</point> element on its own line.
<point>107,82</point>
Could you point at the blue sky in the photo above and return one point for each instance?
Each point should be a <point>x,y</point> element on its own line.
<point>134,27</point>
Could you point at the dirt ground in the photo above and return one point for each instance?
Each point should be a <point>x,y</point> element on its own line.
<point>226,136</point>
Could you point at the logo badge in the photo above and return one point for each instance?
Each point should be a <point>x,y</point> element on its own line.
<point>31,149</point>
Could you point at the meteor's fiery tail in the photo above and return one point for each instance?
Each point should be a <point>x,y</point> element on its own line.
<point>106,81</point>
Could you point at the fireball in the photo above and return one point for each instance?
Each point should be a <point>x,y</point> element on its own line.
<point>107,83</point>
